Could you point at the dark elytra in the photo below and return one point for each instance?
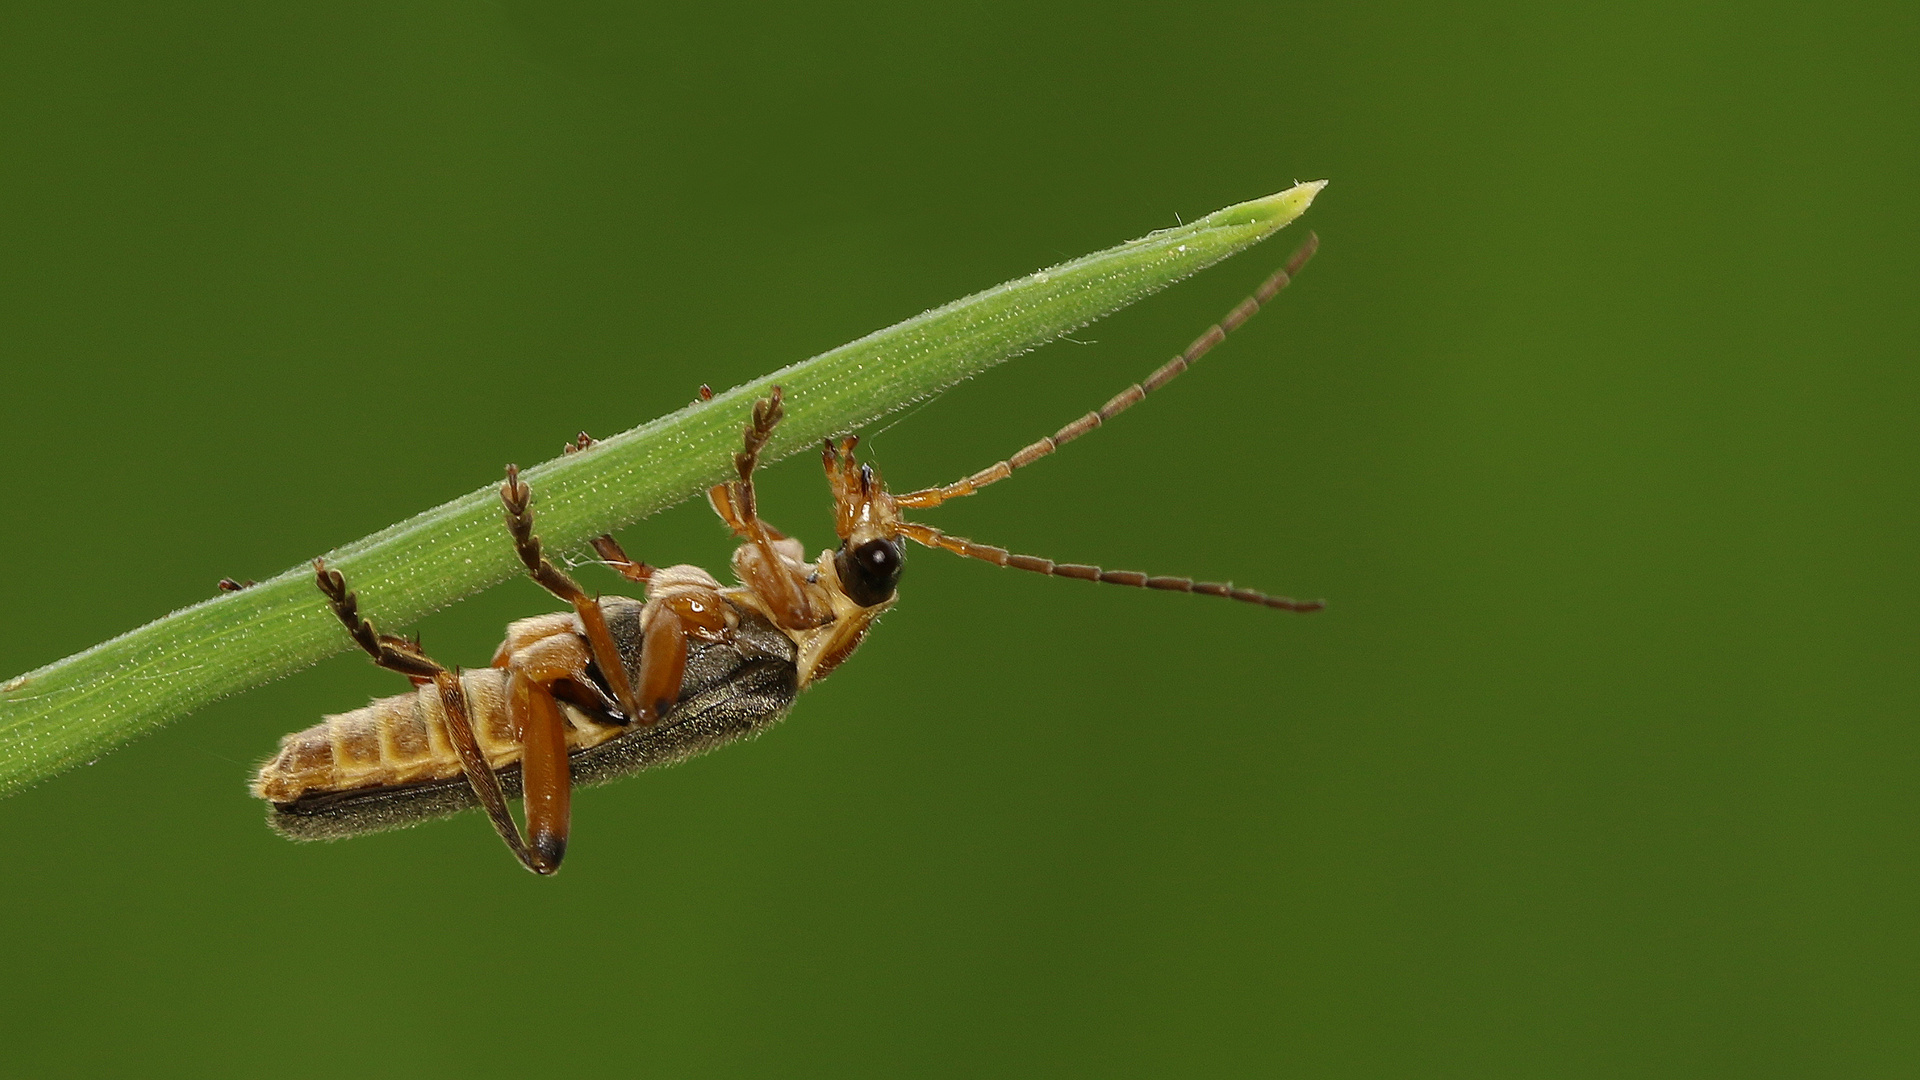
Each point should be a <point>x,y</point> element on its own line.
<point>730,691</point>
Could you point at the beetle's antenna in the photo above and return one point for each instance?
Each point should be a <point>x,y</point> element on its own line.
<point>1125,399</point>
<point>934,538</point>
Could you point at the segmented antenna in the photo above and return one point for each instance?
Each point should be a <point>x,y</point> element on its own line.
<point>934,538</point>
<point>1125,399</point>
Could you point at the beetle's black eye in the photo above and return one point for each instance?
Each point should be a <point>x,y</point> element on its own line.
<point>869,572</point>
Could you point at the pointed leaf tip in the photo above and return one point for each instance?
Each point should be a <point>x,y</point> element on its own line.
<point>1273,212</point>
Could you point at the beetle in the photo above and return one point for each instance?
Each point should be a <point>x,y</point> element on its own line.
<point>618,685</point>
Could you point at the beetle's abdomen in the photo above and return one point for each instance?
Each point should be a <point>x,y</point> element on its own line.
<point>396,740</point>
<point>732,690</point>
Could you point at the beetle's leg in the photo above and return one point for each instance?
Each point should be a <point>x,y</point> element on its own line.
<point>934,538</point>
<point>527,633</point>
<point>858,493</point>
<point>546,779</point>
<point>778,581</point>
<point>518,499</point>
<point>663,661</point>
<point>392,653</point>
<point>1125,399</point>
<point>405,657</point>
<point>681,609</point>
<point>734,500</point>
<point>473,762</point>
<point>774,573</point>
<point>837,459</point>
<point>616,559</point>
<point>605,544</point>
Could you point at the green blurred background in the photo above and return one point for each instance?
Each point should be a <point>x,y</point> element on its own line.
<point>1592,420</point>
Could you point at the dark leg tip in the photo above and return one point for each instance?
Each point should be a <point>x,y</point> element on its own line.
<point>548,850</point>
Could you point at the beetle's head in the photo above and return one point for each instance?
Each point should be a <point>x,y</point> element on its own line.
<point>871,554</point>
<point>872,531</point>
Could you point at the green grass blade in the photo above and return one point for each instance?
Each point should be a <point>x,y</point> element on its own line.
<point>79,707</point>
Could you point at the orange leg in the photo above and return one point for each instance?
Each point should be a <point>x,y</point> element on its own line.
<point>540,659</point>
<point>486,784</point>
<point>616,559</point>
<point>663,662</point>
<point>842,480</point>
<point>392,653</point>
<point>782,587</point>
<point>605,544</point>
<point>775,582</point>
<point>518,499</point>
<point>547,779</point>
<point>405,657</point>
